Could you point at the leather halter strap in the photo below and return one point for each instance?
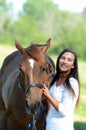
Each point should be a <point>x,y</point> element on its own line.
<point>33,85</point>
<point>29,86</point>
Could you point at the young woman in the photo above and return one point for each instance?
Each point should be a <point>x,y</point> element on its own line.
<point>64,92</point>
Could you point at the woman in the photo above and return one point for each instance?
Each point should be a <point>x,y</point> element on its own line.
<point>64,92</point>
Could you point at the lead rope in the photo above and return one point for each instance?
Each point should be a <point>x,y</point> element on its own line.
<point>44,127</point>
<point>32,126</point>
<point>34,121</point>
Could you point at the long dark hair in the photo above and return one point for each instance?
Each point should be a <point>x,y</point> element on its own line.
<point>73,73</point>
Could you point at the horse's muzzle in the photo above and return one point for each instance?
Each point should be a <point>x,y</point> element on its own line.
<point>33,108</point>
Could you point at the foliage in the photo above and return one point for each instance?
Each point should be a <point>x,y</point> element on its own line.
<point>80,125</point>
<point>81,111</point>
<point>41,20</point>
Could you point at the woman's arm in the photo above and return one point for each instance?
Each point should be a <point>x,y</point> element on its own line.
<point>67,103</point>
<point>54,102</point>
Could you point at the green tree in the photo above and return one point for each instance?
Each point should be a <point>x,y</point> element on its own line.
<point>42,19</point>
<point>4,19</point>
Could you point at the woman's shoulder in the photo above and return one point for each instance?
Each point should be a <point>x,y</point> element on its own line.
<point>72,79</point>
<point>74,84</point>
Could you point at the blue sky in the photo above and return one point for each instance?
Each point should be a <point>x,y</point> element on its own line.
<point>70,5</point>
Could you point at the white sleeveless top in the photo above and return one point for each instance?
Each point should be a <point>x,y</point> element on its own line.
<point>62,119</point>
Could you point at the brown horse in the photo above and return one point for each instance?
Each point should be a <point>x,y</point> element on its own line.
<point>22,76</point>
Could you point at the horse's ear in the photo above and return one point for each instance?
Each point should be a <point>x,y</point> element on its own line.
<point>46,46</point>
<point>19,47</point>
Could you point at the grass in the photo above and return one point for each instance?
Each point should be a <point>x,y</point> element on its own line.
<point>79,114</point>
<point>81,111</point>
<point>80,125</point>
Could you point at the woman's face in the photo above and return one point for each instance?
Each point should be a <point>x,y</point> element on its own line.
<point>66,62</point>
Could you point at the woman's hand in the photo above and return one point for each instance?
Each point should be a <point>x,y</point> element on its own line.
<point>45,91</point>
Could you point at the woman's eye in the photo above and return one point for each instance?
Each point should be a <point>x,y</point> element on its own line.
<point>69,60</point>
<point>62,58</point>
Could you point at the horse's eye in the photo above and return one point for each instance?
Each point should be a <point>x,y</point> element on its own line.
<point>43,69</point>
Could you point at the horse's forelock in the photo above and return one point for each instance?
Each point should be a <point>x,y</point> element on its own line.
<point>35,52</point>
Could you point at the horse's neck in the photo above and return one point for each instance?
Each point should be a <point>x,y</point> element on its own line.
<point>6,85</point>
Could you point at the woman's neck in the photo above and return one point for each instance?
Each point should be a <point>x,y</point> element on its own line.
<point>63,76</point>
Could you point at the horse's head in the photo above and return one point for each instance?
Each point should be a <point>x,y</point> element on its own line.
<point>36,69</point>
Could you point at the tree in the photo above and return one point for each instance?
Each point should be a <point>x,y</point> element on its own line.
<point>4,16</point>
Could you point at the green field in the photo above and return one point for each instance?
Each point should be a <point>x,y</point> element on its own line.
<point>80,114</point>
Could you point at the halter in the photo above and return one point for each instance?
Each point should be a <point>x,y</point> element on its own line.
<point>29,86</point>
<point>34,84</point>
<point>42,108</point>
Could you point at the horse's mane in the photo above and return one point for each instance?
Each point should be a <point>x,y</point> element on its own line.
<point>35,52</point>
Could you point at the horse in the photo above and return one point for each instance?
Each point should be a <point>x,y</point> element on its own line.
<point>22,76</point>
